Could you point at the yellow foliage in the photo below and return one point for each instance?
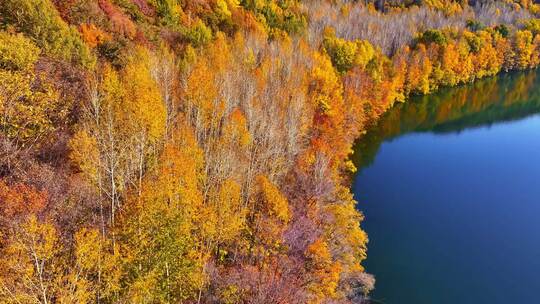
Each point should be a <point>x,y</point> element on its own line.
<point>524,48</point>
<point>275,203</point>
<point>85,154</point>
<point>142,108</point>
<point>236,131</point>
<point>419,71</point>
<point>31,259</point>
<point>326,87</point>
<point>27,110</point>
<point>229,213</point>
<point>325,272</point>
<point>345,232</point>
<point>17,52</point>
<point>161,232</point>
<point>223,8</point>
<point>97,258</point>
<point>364,53</point>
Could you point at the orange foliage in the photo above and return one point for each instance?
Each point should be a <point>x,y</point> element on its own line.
<point>121,24</point>
<point>92,35</point>
<point>20,200</point>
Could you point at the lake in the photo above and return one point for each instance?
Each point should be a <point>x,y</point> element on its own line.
<point>449,185</point>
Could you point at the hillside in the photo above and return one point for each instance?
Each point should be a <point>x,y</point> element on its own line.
<point>197,151</point>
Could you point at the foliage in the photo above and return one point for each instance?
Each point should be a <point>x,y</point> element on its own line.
<point>28,110</point>
<point>533,25</point>
<point>432,36</point>
<point>92,35</point>
<point>503,30</point>
<point>120,23</point>
<point>40,20</point>
<point>474,25</point>
<point>198,34</point>
<point>168,10</point>
<point>283,15</point>
<point>346,54</point>
<point>163,260</point>
<point>204,156</point>
<point>17,52</point>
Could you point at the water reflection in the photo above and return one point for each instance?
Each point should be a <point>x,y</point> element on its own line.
<point>507,97</point>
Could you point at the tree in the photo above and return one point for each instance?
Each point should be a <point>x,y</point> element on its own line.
<point>30,265</point>
<point>228,218</point>
<point>17,53</point>
<point>524,48</point>
<point>198,34</point>
<point>269,218</point>
<point>159,230</point>
<point>164,70</point>
<point>168,10</point>
<point>92,35</point>
<point>324,270</point>
<point>97,268</point>
<point>40,20</point>
<point>419,71</point>
<point>121,23</point>
<point>125,121</point>
<point>342,53</point>
<point>29,105</point>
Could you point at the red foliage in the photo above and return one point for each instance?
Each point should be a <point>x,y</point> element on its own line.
<point>20,200</point>
<point>120,22</point>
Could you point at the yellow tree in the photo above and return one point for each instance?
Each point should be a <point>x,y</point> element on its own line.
<point>160,231</point>
<point>28,103</point>
<point>96,270</point>
<point>227,220</point>
<point>523,44</point>
<point>269,218</point>
<point>31,262</point>
<point>324,271</point>
<point>124,124</point>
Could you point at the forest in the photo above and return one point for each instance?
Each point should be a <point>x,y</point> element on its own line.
<point>198,151</point>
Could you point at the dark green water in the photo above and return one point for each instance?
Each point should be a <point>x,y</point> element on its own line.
<point>450,188</point>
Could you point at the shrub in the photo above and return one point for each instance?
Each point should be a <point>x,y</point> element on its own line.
<point>17,52</point>
<point>342,52</point>
<point>346,54</point>
<point>198,34</point>
<point>433,36</point>
<point>169,11</point>
<point>533,25</point>
<point>120,22</point>
<point>474,25</point>
<point>92,35</point>
<point>503,30</point>
<point>474,42</point>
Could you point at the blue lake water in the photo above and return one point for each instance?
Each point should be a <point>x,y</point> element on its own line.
<point>450,188</point>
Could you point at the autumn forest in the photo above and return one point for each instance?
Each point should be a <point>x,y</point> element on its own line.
<point>199,151</point>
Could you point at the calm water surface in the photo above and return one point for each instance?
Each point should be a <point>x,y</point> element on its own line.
<point>450,188</point>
